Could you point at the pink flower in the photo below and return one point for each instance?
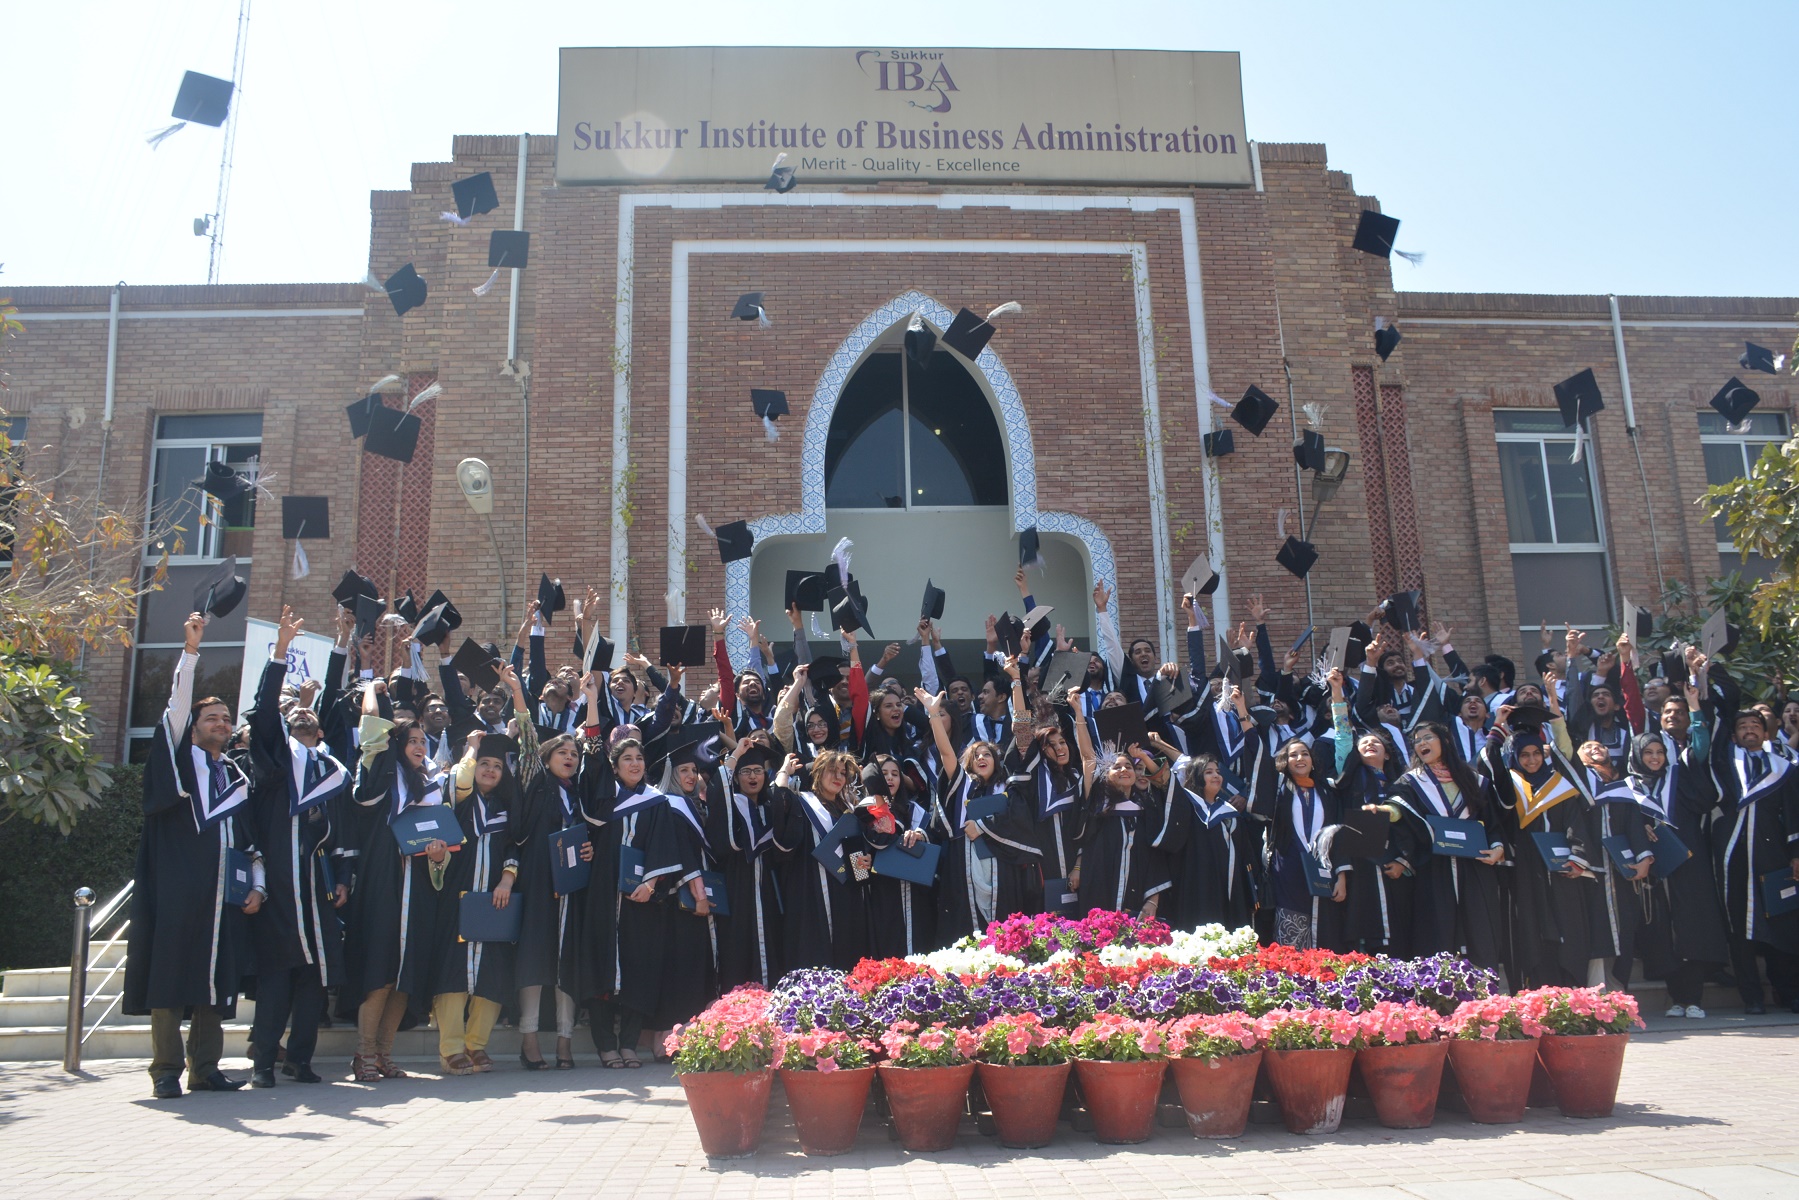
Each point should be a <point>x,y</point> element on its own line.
<point>827,1064</point>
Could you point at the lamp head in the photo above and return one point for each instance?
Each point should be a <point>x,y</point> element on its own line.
<point>477,484</point>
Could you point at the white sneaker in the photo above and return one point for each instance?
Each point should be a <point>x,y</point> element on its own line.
<point>1694,1011</point>
<point>1676,1011</point>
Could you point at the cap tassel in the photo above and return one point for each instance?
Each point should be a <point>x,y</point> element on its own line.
<point>768,425</point>
<point>700,520</point>
<point>1220,401</point>
<point>302,568</point>
<point>762,321</point>
<point>840,554</point>
<point>454,218</point>
<point>375,285</point>
<point>1314,414</point>
<point>1280,524</point>
<point>488,286</point>
<point>672,600</point>
<point>1580,442</point>
<point>162,135</point>
<point>1380,323</point>
<point>917,321</point>
<point>430,393</point>
<point>1006,309</point>
<point>385,382</point>
<point>1415,257</point>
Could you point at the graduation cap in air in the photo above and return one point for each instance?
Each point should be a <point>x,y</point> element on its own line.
<point>1255,410</point>
<point>437,623</point>
<point>849,611</point>
<point>474,195</point>
<point>780,178</point>
<point>473,660</point>
<point>1308,452</point>
<point>351,586</point>
<point>598,654</point>
<point>1219,443</point>
<point>968,334</point>
<point>1578,397</point>
<point>1037,621</point>
<point>1336,650</point>
<point>807,590</point>
<point>1374,234</point>
<point>220,590</point>
<point>305,517</point>
<point>1065,669</point>
<point>222,482</point>
<point>1030,548</point>
<point>825,672</point>
<point>509,248</point>
<point>358,412</point>
<point>1169,696</point>
<point>1718,636</point>
<point>1297,556</point>
<point>550,598</point>
<point>202,99</point>
<point>1122,725</point>
<point>682,646</point>
<point>768,405</point>
<point>1400,610</point>
<point>1760,358</point>
<point>407,608</point>
<point>392,434</point>
<point>920,342</point>
<point>406,288</point>
<point>734,538</point>
<point>931,607</point>
<point>1010,631</point>
<point>749,307</point>
<point>369,611</point>
<point>1386,338</point>
<point>1199,579</point>
<point>1637,621</point>
<point>1735,400</point>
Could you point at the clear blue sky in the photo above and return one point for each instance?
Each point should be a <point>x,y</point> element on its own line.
<point>1539,147</point>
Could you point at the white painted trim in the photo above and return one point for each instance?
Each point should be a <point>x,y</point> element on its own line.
<point>198,314</point>
<point>1600,324</point>
<point>630,202</point>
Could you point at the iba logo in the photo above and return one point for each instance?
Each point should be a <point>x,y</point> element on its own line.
<point>921,71</point>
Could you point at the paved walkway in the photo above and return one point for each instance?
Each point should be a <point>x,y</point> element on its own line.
<point>1701,1113</point>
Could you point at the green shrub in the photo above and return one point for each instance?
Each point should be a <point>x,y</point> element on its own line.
<point>41,868</point>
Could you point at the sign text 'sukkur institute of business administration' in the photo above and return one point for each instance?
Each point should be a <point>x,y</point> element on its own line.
<point>721,114</point>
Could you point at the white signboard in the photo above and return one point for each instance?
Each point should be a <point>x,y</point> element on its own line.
<point>307,657</point>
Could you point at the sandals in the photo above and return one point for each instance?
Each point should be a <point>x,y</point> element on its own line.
<point>364,1070</point>
<point>457,1064</point>
<point>564,1062</point>
<point>532,1064</point>
<point>629,1055</point>
<point>385,1065</point>
<point>611,1060</point>
<point>479,1060</point>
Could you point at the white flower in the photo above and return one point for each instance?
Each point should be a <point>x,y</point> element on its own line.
<point>960,960</point>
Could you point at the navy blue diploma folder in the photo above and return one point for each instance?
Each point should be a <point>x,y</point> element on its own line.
<point>479,921</point>
<point>1617,848</point>
<point>568,873</point>
<point>630,869</point>
<point>714,885</point>
<point>1780,893</point>
<point>1670,852</point>
<point>1456,837</point>
<point>983,808</point>
<point>1058,897</point>
<point>831,851</point>
<point>418,827</point>
<point>1553,848</point>
<point>917,865</point>
<point>1319,882</point>
<point>237,877</point>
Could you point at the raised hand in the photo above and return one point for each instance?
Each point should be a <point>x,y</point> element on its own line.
<point>1258,611</point>
<point>289,625</point>
<point>752,629</point>
<point>1102,595</point>
<point>718,620</point>
<point>1024,586</point>
<point>889,653</point>
<point>191,630</point>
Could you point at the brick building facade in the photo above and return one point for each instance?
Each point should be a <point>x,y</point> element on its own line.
<point>626,411</point>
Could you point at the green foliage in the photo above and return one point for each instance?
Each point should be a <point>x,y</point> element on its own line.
<point>44,867</point>
<point>1761,510</point>
<point>49,771</point>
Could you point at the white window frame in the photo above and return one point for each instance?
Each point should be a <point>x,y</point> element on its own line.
<point>1743,441</point>
<point>1542,439</point>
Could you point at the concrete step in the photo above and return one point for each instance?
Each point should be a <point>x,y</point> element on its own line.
<point>27,1011</point>
<point>336,1045</point>
<point>54,981</point>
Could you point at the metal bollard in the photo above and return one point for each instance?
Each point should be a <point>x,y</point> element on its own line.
<point>71,1051</point>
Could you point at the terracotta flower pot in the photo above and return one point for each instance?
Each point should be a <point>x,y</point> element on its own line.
<point>1494,1077</point>
<point>827,1107</point>
<point>1310,1087</point>
<point>1215,1093</point>
<point>926,1103</point>
<point>728,1108</point>
<point>1025,1101</point>
<point>1403,1082</point>
<point>1584,1071</point>
<point>1121,1097</point>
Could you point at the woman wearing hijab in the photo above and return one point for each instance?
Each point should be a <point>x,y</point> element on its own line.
<point>1618,914</point>
<point>475,979</point>
<point>1377,909</point>
<point>1118,868</point>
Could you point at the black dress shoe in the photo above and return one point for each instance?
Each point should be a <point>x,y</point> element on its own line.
<point>303,1073</point>
<point>216,1081</point>
<point>1755,1010</point>
<point>262,1077</point>
<point>167,1088</point>
<point>288,1070</point>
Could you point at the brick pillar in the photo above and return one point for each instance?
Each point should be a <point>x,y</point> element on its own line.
<point>1374,476</point>
<point>394,509</point>
<point>1402,510</point>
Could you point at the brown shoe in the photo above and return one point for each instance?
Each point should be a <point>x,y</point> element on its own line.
<point>457,1064</point>
<point>364,1070</point>
<point>480,1061</point>
<point>385,1065</point>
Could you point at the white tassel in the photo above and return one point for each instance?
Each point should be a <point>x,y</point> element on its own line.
<point>917,321</point>
<point>488,286</point>
<point>700,520</point>
<point>1010,306</point>
<point>762,321</point>
<point>369,281</point>
<point>162,135</point>
<point>1314,414</point>
<point>1380,323</point>
<point>454,218</point>
<point>430,393</point>
<point>1779,362</point>
<point>768,425</point>
<point>840,554</point>
<point>392,619</point>
<point>818,632</point>
<point>779,159</point>
<point>1415,257</point>
<point>1580,444</point>
<point>1220,401</point>
<point>672,600</point>
<point>383,383</point>
<point>1280,524</point>
<point>302,568</point>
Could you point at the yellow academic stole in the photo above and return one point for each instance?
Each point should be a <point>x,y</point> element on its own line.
<point>1534,802</point>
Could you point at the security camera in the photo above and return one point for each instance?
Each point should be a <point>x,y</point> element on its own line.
<point>477,484</point>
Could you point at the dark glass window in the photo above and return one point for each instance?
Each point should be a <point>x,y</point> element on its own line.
<point>913,440</point>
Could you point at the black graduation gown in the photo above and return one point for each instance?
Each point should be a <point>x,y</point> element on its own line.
<point>1377,911</point>
<point>686,967</point>
<point>611,814</point>
<point>390,923</point>
<point>1285,885</point>
<point>1207,862</point>
<point>964,876</point>
<point>1758,836</point>
<point>292,793</point>
<point>186,947</point>
<point>1456,903</point>
<point>902,916</point>
<point>1618,915</point>
<point>484,969</point>
<point>749,940</point>
<point>1685,921</point>
<point>551,929</point>
<point>1551,926</point>
<point>826,921</point>
<point>1120,866</point>
<point>1044,812</point>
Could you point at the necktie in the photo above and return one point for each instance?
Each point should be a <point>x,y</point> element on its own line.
<point>221,781</point>
<point>1758,768</point>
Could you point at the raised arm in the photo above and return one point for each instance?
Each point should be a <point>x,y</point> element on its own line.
<point>181,687</point>
<point>1107,623</point>
<point>1083,742</point>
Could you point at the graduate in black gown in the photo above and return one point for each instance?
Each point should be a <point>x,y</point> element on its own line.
<point>1295,804</point>
<point>1757,837</point>
<point>390,943</point>
<point>476,978</point>
<point>901,915</point>
<point>1119,868</point>
<point>188,948</point>
<point>1377,907</point>
<point>987,866</point>
<point>1618,914</point>
<point>1044,784</point>
<point>298,935</point>
<point>674,977</point>
<point>1203,835</point>
<point>826,918</point>
<point>750,937</point>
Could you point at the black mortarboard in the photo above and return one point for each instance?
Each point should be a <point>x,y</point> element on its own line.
<point>436,598</point>
<point>780,178</point>
<point>807,590</point>
<point>969,333</point>
<point>1375,232</point>
<point>1527,715</point>
<point>1030,548</point>
<point>461,727</point>
<point>749,307</point>
<point>1219,443</point>
<point>305,516</point>
<point>550,598</point>
<point>1336,650</point>
<point>768,403</point>
<point>1255,410</point>
<point>1065,669</point>
<point>494,745</point>
<point>1308,452</point>
<point>202,99</point>
<point>220,591</point>
<point>1297,556</point>
<point>931,607</point>
<point>392,434</point>
<point>1401,611</point>
<point>920,342</point>
<point>682,646</point>
<point>1386,338</point>
<point>735,541</point>
<point>475,195</point>
<point>848,612</point>
<point>222,481</point>
<point>1169,696</point>
<point>598,655</point>
<point>351,586</point>
<point>436,624</point>
<point>1010,631</point>
<point>1362,834</point>
<point>407,608</point>
<point>474,661</point>
<point>369,611</point>
<point>1199,579</point>
<point>1578,397</point>
<point>1718,635</point>
<point>1637,621</point>
<point>1734,400</point>
<point>359,411</point>
<point>509,248</point>
<point>1122,725</point>
<point>406,288</point>
<point>1037,621</point>
<point>825,671</point>
<point>1759,358</point>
